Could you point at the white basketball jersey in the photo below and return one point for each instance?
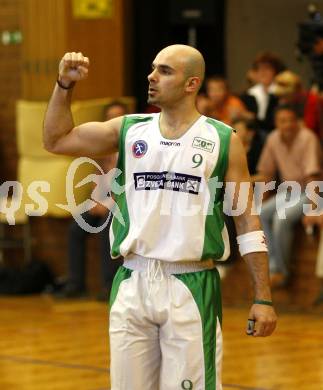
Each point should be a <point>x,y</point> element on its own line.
<point>171,203</point>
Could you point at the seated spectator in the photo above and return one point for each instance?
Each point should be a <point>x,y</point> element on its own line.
<point>223,106</point>
<point>292,152</point>
<point>76,286</point>
<point>288,88</point>
<point>266,66</point>
<point>252,138</point>
<point>251,77</point>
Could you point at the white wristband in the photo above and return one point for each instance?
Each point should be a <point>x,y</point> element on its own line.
<point>252,242</point>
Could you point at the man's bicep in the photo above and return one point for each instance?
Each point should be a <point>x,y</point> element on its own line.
<point>94,139</point>
<point>239,187</point>
<point>237,170</point>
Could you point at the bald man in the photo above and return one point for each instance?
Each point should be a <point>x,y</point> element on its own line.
<point>165,305</point>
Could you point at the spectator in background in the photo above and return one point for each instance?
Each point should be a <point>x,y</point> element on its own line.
<point>292,152</point>
<point>223,106</point>
<point>251,77</point>
<point>266,66</point>
<point>76,286</point>
<point>252,138</point>
<point>288,88</point>
<point>248,100</point>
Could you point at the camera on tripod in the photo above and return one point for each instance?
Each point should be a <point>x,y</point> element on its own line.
<point>310,43</point>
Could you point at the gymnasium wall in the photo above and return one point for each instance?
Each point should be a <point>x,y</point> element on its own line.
<point>255,25</point>
<point>49,28</point>
<point>11,88</point>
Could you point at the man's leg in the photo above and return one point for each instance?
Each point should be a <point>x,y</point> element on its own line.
<point>283,233</point>
<point>268,211</point>
<point>134,338</point>
<point>191,338</point>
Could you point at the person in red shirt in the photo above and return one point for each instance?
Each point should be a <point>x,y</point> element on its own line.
<point>309,104</point>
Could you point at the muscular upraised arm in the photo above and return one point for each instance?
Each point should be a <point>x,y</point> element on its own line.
<point>257,262</point>
<point>60,136</point>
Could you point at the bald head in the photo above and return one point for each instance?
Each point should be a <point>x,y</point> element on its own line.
<point>193,61</point>
<point>176,77</point>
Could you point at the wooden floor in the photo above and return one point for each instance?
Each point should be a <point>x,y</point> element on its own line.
<point>50,345</point>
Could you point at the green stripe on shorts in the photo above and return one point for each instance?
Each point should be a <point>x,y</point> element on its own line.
<point>121,275</point>
<point>206,291</point>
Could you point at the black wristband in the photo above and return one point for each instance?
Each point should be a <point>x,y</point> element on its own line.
<point>63,86</point>
<point>262,302</point>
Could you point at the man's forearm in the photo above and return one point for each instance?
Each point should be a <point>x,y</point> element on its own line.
<point>58,118</point>
<point>257,261</point>
<point>258,267</point>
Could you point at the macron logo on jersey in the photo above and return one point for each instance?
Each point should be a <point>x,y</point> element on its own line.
<point>170,143</point>
<point>171,181</point>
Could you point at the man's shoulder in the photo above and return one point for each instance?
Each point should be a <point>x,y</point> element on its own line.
<point>272,142</point>
<point>307,134</point>
<point>273,137</point>
<point>218,124</point>
<point>131,120</point>
<point>140,117</point>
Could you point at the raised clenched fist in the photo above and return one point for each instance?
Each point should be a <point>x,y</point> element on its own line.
<point>73,67</point>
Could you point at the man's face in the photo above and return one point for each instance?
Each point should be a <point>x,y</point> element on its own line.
<point>287,124</point>
<point>167,79</point>
<point>265,74</point>
<point>216,91</point>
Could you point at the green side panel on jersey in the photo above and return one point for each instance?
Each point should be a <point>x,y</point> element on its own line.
<point>214,246</point>
<point>121,275</point>
<point>206,290</point>
<point>119,229</point>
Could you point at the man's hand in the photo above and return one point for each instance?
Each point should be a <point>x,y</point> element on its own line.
<point>261,321</point>
<point>73,67</point>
